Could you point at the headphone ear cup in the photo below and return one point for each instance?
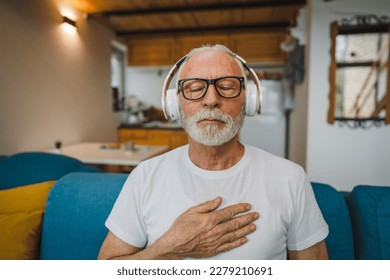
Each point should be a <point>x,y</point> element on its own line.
<point>172,105</point>
<point>252,106</point>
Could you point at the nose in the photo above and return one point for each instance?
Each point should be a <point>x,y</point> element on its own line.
<point>212,99</point>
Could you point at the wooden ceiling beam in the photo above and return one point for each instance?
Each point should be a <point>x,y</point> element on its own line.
<point>246,27</point>
<point>196,8</point>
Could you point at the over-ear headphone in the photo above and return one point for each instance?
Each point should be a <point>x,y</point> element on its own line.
<point>170,101</point>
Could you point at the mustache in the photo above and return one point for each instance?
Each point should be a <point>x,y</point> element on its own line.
<point>214,114</point>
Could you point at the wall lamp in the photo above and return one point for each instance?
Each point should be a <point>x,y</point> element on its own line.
<point>69,25</point>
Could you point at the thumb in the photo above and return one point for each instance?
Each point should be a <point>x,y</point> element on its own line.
<point>207,206</point>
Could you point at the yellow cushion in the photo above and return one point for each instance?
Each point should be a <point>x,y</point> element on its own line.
<point>25,198</point>
<point>20,235</point>
<point>21,212</point>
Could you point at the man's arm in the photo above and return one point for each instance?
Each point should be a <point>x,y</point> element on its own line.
<point>115,248</point>
<point>316,252</point>
<point>199,232</point>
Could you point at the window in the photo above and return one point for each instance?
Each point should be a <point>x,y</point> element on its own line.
<point>118,66</point>
<point>361,74</point>
<point>359,71</point>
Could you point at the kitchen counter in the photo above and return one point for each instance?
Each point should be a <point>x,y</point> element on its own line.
<point>152,125</point>
<point>153,133</point>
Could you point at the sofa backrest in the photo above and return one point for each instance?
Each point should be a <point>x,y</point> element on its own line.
<point>34,167</point>
<point>76,210</point>
<point>2,157</point>
<point>335,212</point>
<point>370,212</point>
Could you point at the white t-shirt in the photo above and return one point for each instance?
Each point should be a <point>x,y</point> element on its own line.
<point>162,188</point>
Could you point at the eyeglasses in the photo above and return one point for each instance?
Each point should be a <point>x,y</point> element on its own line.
<point>196,88</point>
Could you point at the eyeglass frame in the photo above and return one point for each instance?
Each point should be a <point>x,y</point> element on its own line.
<point>211,82</point>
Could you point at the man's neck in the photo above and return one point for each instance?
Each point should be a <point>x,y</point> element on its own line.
<point>216,157</point>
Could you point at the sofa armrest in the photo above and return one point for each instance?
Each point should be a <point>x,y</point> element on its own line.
<point>335,211</point>
<point>76,210</point>
<point>370,213</point>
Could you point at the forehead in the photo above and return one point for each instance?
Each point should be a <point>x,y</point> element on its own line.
<point>210,64</point>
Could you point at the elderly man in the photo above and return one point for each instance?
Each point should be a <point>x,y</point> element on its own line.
<point>215,197</point>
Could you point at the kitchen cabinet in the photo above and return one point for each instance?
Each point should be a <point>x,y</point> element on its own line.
<point>254,47</point>
<point>148,52</point>
<point>184,44</point>
<point>172,138</point>
<point>259,47</point>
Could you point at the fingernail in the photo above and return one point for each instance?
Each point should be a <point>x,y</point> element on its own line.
<point>256,216</point>
<point>252,227</point>
<point>248,207</point>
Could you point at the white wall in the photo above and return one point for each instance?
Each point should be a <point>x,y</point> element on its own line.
<point>146,83</point>
<point>341,157</point>
<point>53,85</point>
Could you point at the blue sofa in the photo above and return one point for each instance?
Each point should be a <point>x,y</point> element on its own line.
<point>79,203</point>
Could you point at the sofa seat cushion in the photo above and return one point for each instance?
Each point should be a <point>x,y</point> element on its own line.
<point>370,213</point>
<point>21,213</point>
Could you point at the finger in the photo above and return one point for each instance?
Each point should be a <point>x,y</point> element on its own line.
<point>231,245</point>
<point>234,224</point>
<point>230,211</point>
<point>239,233</point>
<point>235,237</point>
<point>207,206</point>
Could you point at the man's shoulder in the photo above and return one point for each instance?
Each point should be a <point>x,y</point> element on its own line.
<point>273,161</point>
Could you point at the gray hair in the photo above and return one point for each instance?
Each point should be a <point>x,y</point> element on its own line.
<point>208,47</point>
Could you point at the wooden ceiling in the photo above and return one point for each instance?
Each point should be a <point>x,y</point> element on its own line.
<point>160,17</point>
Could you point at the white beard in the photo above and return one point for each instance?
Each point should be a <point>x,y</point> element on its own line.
<point>211,134</point>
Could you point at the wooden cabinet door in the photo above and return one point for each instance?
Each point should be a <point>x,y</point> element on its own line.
<point>160,137</point>
<point>259,47</point>
<point>135,135</point>
<point>147,52</point>
<point>166,137</point>
<point>185,44</point>
<point>178,138</point>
